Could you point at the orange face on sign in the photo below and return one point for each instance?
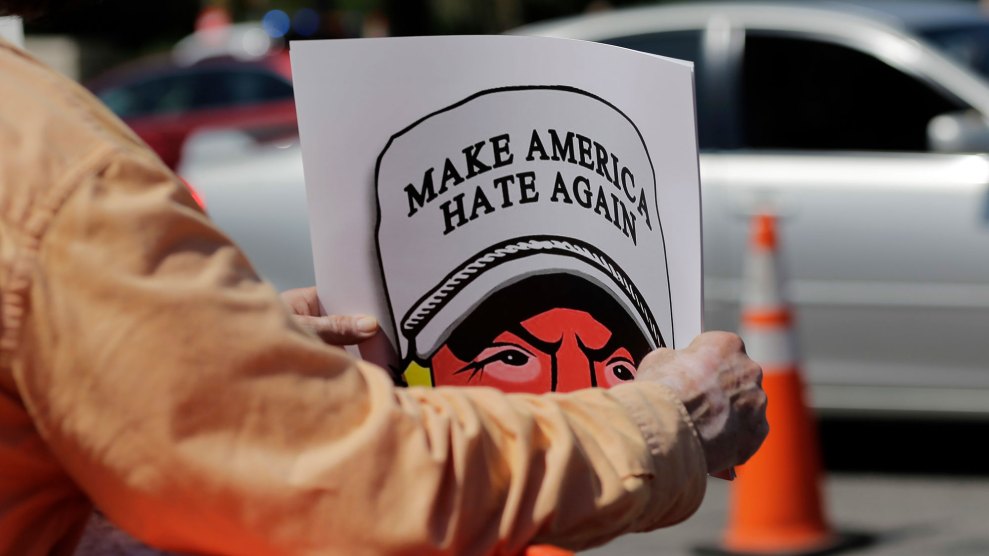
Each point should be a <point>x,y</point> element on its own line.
<point>543,334</point>
<point>529,357</point>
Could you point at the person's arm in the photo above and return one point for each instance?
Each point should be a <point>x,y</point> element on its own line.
<point>176,389</point>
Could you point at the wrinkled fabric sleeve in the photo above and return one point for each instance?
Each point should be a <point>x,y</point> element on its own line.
<point>174,387</point>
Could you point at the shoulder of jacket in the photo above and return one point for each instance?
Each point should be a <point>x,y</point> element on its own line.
<point>49,124</point>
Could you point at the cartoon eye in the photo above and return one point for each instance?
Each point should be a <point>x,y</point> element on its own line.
<point>511,356</point>
<point>620,369</point>
<point>507,362</point>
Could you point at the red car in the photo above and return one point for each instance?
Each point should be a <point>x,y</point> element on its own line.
<point>164,102</point>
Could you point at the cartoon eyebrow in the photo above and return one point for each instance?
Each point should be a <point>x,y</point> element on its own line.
<point>546,347</point>
<point>597,355</point>
<point>593,355</point>
<point>601,354</point>
<point>541,345</point>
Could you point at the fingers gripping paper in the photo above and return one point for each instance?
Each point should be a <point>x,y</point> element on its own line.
<point>515,234</point>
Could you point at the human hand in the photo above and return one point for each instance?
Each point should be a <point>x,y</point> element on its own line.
<point>722,390</point>
<point>338,330</point>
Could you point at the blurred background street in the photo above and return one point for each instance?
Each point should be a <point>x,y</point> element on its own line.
<point>910,516</point>
<point>863,125</point>
<point>913,488</point>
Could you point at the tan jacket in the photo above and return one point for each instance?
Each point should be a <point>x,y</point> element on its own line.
<point>145,368</point>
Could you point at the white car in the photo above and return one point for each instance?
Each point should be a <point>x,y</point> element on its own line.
<point>860,123</point>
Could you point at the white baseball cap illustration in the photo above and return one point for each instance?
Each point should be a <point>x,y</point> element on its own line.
<point>512,183</point>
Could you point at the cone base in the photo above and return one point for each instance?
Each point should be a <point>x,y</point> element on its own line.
<point>813,535</point>
<point>834,544</point>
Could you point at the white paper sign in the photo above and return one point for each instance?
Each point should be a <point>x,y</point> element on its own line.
<point>519,212</point>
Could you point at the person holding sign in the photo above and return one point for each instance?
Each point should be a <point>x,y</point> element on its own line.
<point>146,370</point>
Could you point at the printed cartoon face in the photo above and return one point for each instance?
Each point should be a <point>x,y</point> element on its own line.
<point>557,350</point>
<point>546,333</point>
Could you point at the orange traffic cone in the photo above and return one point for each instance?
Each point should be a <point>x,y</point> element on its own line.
<point>776,505</point>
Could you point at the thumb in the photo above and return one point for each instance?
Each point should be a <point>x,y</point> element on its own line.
<point>340,330</point>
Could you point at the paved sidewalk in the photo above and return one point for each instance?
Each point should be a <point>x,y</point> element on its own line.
<point>910,516</point>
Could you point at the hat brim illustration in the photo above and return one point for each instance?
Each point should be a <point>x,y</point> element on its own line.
<point>502,265</point>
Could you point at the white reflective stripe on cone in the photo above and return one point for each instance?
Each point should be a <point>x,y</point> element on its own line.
<point>763,286</point>
<point>770,348</point>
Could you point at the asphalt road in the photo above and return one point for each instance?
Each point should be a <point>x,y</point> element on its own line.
<point>915,487</point>
<point>905,515</point>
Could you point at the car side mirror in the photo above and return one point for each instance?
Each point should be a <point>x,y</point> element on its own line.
<point>958,132</point>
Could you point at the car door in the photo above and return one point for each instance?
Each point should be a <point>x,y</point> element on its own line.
<point>882,239</point>
<point>165,109</point>
<point>886,243</point>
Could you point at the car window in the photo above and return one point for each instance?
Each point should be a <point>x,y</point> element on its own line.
<point>209,88</point>
<point>229,87</point>
<point>807,94</point>
<point>169,93</point>
<point>683,45</point>
<point>966,43</point>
